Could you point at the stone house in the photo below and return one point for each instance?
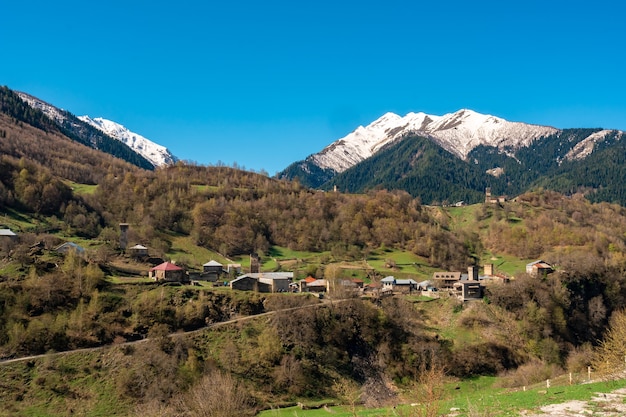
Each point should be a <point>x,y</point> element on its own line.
<point>263,282</point>
<point>138,251</point>
<point>468,290</point>
<point>211,271</point>
<point>446,279</point>
<point>398,285</point>
<point>168,272</point>
<point>539,268</point>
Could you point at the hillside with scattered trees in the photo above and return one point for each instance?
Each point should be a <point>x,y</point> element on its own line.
<point>53,190</point>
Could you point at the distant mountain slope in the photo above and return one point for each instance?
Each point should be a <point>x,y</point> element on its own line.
<point>419,166</point>
<point>157,154</point>
<point>458,133</point>
<point>63,157</point>
<point>480,151</point>
<point>84,133</point>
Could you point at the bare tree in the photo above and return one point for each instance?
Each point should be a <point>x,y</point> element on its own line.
<point>217,394</point>
<point>350,393</point>
<point>428,388</point>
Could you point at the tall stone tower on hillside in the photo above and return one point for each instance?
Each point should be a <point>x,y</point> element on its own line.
<point>255,263</point>
<point>123,236</point>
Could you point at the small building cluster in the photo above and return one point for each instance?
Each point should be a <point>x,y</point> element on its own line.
<point>490,199</point>
<point>465,287</point>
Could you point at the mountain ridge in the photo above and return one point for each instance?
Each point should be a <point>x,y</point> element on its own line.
<point>459,133</point>
<point>147,151</point>
<point>159,155</point>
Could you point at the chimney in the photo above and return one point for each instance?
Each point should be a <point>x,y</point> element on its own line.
<point>489,270</point>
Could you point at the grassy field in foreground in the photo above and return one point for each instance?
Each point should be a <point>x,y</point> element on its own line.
<point>476,397</point>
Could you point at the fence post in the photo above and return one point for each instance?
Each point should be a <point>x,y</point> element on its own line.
<point>589,373</point>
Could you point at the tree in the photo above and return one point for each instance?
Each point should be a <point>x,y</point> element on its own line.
<point>610,356</point>
<point>350,393</point>
<point>217,394</point>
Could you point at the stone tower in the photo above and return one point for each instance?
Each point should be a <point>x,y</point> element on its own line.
<point>255,263</point>
<point>123,236</point>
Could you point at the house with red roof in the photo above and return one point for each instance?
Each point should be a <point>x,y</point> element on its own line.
<point>168,272</point>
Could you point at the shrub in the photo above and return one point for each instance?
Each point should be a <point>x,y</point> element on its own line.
<point>528,374</point>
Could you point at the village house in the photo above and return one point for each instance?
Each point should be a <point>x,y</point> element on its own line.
<point>211,271</point>
<point>489,199</point>
<point>67,247</point>
<point>359,283</point>
<point>446,279</point>
<point>316,285</point>
<point>8,234</point>
<point>398,285</point>
<point>468,290</point>
<point>539,268</point>
<point>168,272</point>
<point>463,286</point>
<point>213,267</point>
<point>233,269</point>
<point>372,288</point>
<point>138,251</point>
<point>263,282</point>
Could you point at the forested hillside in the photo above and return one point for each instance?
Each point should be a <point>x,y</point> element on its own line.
<point>420,167</point>
<point>71,127</point>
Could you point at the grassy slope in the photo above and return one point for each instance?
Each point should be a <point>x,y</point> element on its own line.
<point>477,397</point>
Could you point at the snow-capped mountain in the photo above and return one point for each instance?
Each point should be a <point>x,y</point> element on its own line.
<point>157,154</point>
<point>54,113</point>
<point>152,153</point>
<point>458,133</point>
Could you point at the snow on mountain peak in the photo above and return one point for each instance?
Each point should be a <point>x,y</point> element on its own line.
<point>49,110</point>
<point>457,132</point>
<point>157,154</point>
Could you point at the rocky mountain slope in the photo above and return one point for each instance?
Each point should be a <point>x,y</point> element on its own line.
<point>157,154</point>
<point>458,133</point>
<point>149,153</point>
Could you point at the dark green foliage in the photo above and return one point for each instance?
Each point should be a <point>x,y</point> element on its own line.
<point>11,104</point>
<point>307,173</point>
<point>418,166</point>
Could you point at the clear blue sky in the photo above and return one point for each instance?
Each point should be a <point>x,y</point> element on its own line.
<point>266,83</point>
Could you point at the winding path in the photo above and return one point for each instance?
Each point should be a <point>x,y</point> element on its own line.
<point>326,302</point>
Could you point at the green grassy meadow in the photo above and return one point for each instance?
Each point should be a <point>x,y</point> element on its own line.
<point>471,398</point>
